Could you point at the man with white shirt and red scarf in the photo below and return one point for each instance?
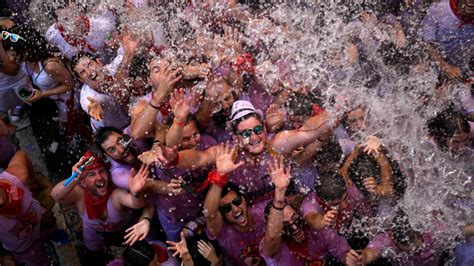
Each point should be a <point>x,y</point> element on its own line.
<point>106,211</point>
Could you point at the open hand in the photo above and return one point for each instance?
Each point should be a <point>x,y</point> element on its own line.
<point>137,232</point>
<point>180,248</point>
<point>329,218</point>
<point>94,108</point>
<point>207,251</point>
<point>224,161</point>
<point>372,146</point>
<point>280,177</point>
<point>137,180</point>
<point>180,105</point>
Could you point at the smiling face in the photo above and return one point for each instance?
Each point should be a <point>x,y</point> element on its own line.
<point>116,151</point>
<point>355,120</point>
<point>91,72</point>
<point>191,136</point>
<point>256,141</point>
<point>293,224</point>
<point>96,181</point>
<point>234,209</point>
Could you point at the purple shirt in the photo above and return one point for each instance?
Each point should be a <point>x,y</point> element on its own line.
<point>184,206</point>
<point>356,202</point>
<point>455,40</point>
<point>384,244</point>
<point>317,245</point>
<point>255,179</point>
<point>242,247</point>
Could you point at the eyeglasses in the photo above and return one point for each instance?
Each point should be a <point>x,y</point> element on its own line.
<point>226,208</point>
<point>248,132</point>
<point>13,37</point>
<point>289,229</point>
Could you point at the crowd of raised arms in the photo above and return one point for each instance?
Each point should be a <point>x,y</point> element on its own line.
<point>191,156</point>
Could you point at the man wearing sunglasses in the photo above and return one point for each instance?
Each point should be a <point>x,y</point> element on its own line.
<point>255,147</point>
<point>236,226</point>
<point>288,239</point>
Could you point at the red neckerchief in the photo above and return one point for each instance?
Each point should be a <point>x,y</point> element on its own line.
<point>244,63</point>
<point>161,252</point>
<point>77,42</point>
<point>95,209</point>
<point>13,197</point>
<point>453,4</point>
<point>301,252</point>
<point>342,217</point>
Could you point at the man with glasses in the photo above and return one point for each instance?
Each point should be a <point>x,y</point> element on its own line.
<point>288,239</point>
<point>229,219</point>
<point>255,148</point>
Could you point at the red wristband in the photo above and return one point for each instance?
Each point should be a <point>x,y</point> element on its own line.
<point>220,180</point>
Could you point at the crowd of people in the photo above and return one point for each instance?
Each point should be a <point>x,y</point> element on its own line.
<point>197,155</point>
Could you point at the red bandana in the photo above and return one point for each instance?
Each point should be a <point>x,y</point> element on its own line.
<point>13,197</point>
<point>95,208</point>
<point>464,20</point>
<point>77,42</point>
<point>161,252</point>
<point>342,216</point>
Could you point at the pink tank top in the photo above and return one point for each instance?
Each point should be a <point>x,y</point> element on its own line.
<point>18,234</point>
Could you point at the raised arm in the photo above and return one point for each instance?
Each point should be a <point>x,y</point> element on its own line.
<point>316,127</point>
<point>274,229</point>
<point>72,193</point>
<point>181,106</point>
<point>224,166</point>
<point>20,166</point>
<point>144,114</point>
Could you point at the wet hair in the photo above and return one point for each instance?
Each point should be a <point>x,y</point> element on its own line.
<point>232,187</point>
<point>77,57</point>
<point>140,253</point>
<point>330,186</point>
<point>4,10</point>
<point>401,229</point>
<point>445,124</point>
<point>36,46</point>
<point>102,134</point>
<point>140,66</point>
<point>236,123</point>
<point>302,103</point>
<point>330,152</point>
<point>363,166</point>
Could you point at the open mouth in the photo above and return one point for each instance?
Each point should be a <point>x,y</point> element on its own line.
<point>94,76</point>
<point>239,217</point>
<point>100,184</point>
<point>124,154</point>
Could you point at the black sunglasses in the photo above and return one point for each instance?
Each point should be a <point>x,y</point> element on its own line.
<point>226,208</point>
<point>248,132</point>
<point>288,227</point>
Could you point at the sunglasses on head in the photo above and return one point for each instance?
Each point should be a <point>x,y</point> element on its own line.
<point>289,229</point>
<point>13,37</point>
<point>226,208</point>
<point>248,132</point>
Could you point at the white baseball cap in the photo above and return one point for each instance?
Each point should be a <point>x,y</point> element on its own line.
<point>240,109</point>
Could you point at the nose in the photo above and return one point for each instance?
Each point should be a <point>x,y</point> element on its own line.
<point>235,209</point>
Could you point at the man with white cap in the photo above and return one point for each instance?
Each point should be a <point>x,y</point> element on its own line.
<point>256,148</point>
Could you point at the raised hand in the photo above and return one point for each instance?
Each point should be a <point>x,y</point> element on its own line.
<point>76,167</point>
<point>372,146</point>
<point>95,110</point>
<point>163,77</point>
<point>329,218</point>
<point>371,185</point>
<point>180,104</point>
<point>208,252</point>
<point>280,177</point>
<point>180,248</point>
<point>137,232</point>
<point>159,155</point>
<point>224,161</point>
<point>137,180</point>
